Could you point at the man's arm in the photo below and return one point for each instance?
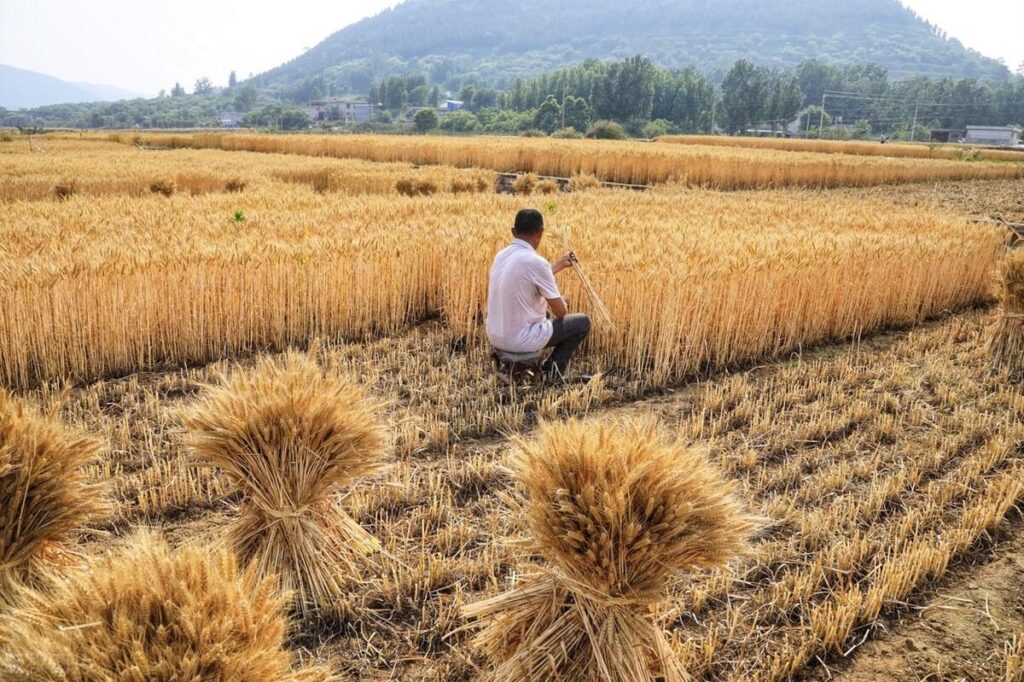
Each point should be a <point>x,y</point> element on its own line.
<point>543,276</point>
<point>564,262</point>
<point>559,308</point>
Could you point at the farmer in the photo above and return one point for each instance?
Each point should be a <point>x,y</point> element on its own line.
<point>523,290</point>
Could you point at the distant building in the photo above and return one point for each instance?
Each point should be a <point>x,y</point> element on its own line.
<point>948,135</point>
<point>345,110</point>
<point>231,119</point>
<point>993,136</point>
<point>453,105</point>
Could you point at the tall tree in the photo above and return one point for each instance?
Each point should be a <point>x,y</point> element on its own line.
<point>549,115</point>
<point>232,79</point>
<point>744,96</point>
<point>177,90</point>
<point>202,86</point>
<point>246,98</point>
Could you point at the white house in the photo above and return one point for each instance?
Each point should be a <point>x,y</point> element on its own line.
<point>993,136</point>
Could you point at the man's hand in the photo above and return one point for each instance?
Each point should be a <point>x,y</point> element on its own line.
<point>564,262</point>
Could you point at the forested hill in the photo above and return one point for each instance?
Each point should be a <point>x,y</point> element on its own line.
<point>498,40</point>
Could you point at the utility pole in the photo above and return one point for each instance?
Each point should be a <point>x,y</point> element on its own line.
<point>821,123</point>
<point>565,84</point>
<point>913,128</point>
<point>713,102</point>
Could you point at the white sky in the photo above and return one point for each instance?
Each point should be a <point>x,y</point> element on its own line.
<point>146,45</point>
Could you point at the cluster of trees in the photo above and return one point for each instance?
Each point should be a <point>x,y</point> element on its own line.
<point>635,93</point>
<point>872,103</point>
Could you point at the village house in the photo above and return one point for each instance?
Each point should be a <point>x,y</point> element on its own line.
<point>345,110</point>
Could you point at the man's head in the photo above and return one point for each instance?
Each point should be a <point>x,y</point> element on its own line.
<point>529,226</point>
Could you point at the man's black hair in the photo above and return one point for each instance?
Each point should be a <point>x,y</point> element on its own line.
<point>529,222</point>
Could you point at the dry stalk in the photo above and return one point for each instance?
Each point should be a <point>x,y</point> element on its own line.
<point>1007,337</point>
<point>145,612</point>
<point>46,492</point>
<point>288,435</point>
<point>615,510</point>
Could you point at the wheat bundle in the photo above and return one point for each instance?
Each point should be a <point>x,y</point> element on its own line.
<point>46,492</point>
<point>144,612</point>
<point>1007,340</point>
<point>287,435</point>
<point>601,313</point>
<point>615,510</point>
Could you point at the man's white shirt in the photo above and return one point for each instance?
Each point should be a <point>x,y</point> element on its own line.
<point>520,284</point>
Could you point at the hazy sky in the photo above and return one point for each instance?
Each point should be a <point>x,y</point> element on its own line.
<point>146,45</point>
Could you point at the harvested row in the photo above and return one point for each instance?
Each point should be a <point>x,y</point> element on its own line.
<point>625,162</point>
<point>100,287</point>
<point>94,167</point>
<point>852,147</point>
<point>876,472</point>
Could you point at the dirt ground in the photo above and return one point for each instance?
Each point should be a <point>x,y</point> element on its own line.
<point>958,634</point>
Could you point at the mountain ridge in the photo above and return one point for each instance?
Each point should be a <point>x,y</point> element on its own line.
<point>492,42</point>
<point>24,89</point>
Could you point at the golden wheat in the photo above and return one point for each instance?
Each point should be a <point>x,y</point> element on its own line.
<point>99,168</point>
<point>615,510</point>
<point>98,286</point>
<point>1007,343</point>
<point>625,162</point>
<point>883,468</point>
<point>146,612</point>
<point>852,147</point>
<point>46,494</point>
<point>287,435</point>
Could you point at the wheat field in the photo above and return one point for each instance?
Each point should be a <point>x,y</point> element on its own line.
<point>800,381</point>
<point>851,147</point>
<point>622,162</point>
<point>179,280</point>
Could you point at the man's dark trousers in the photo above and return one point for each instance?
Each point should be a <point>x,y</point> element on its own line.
<point>568,333</point>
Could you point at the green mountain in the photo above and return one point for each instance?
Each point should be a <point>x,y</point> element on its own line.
<point>494,41</point>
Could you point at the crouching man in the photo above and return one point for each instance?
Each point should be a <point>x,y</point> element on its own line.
<point>522,291</point>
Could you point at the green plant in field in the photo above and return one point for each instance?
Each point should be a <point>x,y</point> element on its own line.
<point>238,217</point>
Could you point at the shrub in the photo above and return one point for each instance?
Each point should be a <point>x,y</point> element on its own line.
<point>46,492</point>
<point>606,130</point>
<point>65,189</point>
<point>656,128</point>
<point>568,133</point>
<point>162,186</point>
<point>533,132</point>
<point>145,612</point>
<point>426,120</point>
<point>615,511</point>
<point>287,435</point>
<point>524,184</point>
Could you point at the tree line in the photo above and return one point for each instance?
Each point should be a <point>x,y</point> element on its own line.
<point>633,95</point>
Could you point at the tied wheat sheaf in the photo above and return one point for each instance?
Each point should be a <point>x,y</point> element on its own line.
<point>616,510</point>
<point>288,435</point>
<point>1007,342</point>
<point>144,612</point>
<point>46,492</point>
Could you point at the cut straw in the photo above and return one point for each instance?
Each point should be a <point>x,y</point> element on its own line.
<point>601,312</point>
